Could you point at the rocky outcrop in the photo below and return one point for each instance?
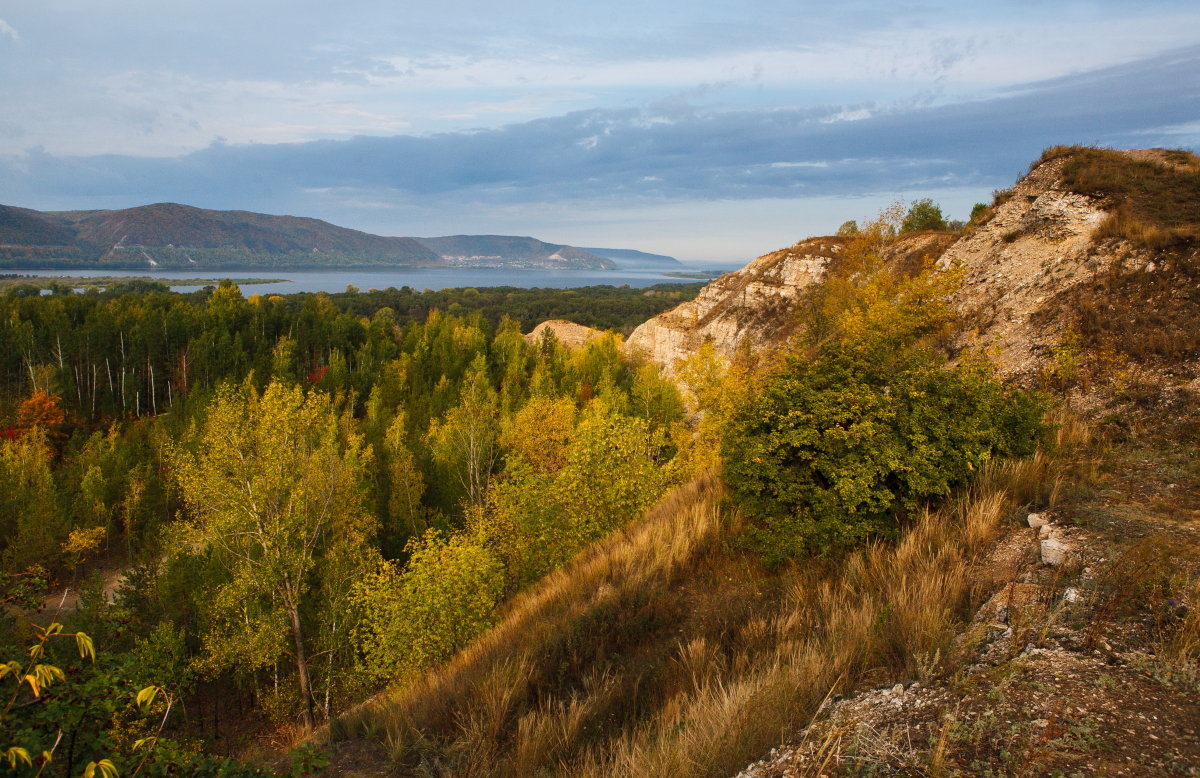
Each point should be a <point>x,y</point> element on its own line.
<point>569,333</point>
<point>756,306</point>
<point>752,305</point>
<point>1037,243</point>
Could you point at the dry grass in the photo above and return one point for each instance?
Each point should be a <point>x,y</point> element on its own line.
<point>1146,311</point>
<point>1153,196</point>
<point>668,651</point>
<point>1149,316</point>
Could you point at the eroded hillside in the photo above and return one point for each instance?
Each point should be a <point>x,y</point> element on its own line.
<point>1072,251</point>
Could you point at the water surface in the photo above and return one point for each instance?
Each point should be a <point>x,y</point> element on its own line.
<point>430,278</point>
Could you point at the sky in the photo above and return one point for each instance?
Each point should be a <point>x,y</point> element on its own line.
<point>710,131</point>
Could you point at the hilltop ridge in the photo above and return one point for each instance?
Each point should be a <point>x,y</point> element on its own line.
<point>171,235</point>
<point>1035,264</point>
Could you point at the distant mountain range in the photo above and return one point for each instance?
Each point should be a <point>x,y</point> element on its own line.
<point>173,236</point>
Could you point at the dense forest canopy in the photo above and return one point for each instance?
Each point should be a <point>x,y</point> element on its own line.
<point>303,497</point>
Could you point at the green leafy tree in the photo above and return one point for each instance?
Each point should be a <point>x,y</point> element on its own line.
<point>545,509</point>
<point>407,483</point>
<point>924,214</point>
<point>838,444</point>
<point>466,440</point>
<point>271,484</point>
<point>422,615</point>
<point>32,528</point>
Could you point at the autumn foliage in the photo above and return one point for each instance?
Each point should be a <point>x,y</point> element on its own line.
<point>40,410</point>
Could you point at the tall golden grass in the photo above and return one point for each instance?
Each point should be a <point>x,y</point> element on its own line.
<point>666,651</point>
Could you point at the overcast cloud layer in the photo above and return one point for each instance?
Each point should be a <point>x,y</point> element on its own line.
<point>695,129</point>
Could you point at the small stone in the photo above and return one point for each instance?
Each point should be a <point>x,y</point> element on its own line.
<point>898,689</point>
<point>1071,594</point>
<point>1045,531</point>
<point>1054,551</point>
<point>1037,520</point>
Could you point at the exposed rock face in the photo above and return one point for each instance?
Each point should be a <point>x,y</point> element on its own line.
<point>752,304</point>
<point>1037,244</point>
<point>569,333</point>
<point>756,305</point>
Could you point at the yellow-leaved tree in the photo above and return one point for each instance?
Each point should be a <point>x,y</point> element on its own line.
<point>272,486</point>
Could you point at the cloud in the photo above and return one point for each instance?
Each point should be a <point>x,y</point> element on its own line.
<point>7,31</point>
<point>669,151</point>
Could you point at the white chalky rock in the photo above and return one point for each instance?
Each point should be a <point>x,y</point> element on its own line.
<point>1037,520</point>
<point>1054,551</point>
<point>1045,531</point>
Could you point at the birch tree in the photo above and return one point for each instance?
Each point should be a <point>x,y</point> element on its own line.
<point>271,483</point>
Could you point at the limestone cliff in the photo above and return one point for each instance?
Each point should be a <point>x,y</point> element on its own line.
<point>569,333</point>
<point>753,304</point>
<point>1038,242</point>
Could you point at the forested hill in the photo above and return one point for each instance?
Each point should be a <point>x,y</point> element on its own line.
<point>509,250</point>
<point>633,258</point>
<point>170,235</point>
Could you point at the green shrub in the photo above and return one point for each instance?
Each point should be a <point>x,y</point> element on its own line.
<point>924,214</point>
<point>865,418</point>
<point>837,447</point>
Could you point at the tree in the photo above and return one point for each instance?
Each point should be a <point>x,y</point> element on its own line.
<point>924,214</point>
<point>32,526</point>
<point>272,483</point>
<point>443,598</point>
<point>540,433</point>
<point>604,473</point>
<point>40,410</point>
<point>466,440</point>
<point>406,480</point>
<point>848,229</point>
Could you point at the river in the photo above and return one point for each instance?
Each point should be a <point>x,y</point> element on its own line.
<point>430,278</point>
